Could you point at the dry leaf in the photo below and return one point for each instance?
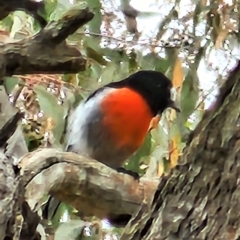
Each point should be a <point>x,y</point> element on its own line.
<point>221,37</point>
<point>73,79</point>
<point>201,106</point>
<point>50,124</point>
<point>204,3</point>
<point>178,75</point>
<point>173,152</point>
<point>154,122</point>
<point>160,169</point>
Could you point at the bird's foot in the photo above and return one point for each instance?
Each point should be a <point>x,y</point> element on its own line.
<point>135,175</point>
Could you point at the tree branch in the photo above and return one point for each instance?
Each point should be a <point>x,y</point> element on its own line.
<point>47,52</point>
<point>88,185</point>
<point>12,146</point>
<point>198,200</point>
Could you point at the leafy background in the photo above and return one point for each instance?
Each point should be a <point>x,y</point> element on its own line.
<point>194,43</point>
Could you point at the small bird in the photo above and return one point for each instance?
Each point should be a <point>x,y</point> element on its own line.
<point>112,123</point>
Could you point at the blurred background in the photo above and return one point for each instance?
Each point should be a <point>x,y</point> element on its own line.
<point>195,43</point>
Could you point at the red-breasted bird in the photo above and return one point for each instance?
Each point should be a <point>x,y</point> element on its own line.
<point>112,123</point>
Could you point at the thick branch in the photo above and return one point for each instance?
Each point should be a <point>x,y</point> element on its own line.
<point>88,185</point>
<point>12,145</point>
<point>47,52</point>
<point>200,198</point>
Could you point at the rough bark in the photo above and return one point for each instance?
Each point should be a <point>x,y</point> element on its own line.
<point>90,186</point>
<point>199,199</point>
<point>47,51</point>
<point>11,189</point>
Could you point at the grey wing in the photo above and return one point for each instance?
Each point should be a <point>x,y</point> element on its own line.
<point>86,136</point>
<point>80,120</point>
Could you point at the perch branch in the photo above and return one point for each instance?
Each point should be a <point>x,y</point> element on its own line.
<point>47,51</point>
<point>89,186</point>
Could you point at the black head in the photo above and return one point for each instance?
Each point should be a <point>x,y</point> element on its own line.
<point>154,86</point>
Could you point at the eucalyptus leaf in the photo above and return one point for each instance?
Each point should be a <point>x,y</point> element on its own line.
<point>109,73</point>
<point>172,55</point>
<point>153,62</point>
<point>49,105</point>
<point>133,64</point>
<point>189,94</point>
<point>166,165</point>
<point>10,83</point>
<point>96,71</point>
<point>19,20</point>
<point>91,53</point>
<point>95,24</point>
<point>71,230</point>
<point>145,150</point>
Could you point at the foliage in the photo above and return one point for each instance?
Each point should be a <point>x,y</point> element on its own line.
<point>182,46</point>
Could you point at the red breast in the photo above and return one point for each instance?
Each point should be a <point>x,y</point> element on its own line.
<point>126,116</point>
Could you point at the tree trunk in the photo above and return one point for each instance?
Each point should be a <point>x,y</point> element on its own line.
<point>199,199</point>
<point>45,52</point>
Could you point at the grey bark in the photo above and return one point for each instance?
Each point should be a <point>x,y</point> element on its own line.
<point>199,199</point>
<point>45,52</point>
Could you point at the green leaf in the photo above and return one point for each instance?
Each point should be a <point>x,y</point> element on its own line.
<point>72,229</point>
<point>96,71</point>
<point>152,61</point>
<point>62,209</point>
<point>49,105</point>
<point>189,94</point>
<point>19,20</point>
<point>95,24</point>
<point>133,64</point>
<point>109,73</point>
<point>91,53</point>
<point>55,8</point>
<point>145,150</point>
<point>10,83</point>
<point>125,3</point>
<point>88,79</point>
<point>166,165</point>
<point>172,56</point>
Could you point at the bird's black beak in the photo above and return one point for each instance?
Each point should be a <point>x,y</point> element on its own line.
<point>174,106</point>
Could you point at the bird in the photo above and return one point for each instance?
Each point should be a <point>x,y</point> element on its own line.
<point>112,123</point>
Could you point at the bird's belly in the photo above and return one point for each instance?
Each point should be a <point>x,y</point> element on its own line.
<point>125,119</point>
